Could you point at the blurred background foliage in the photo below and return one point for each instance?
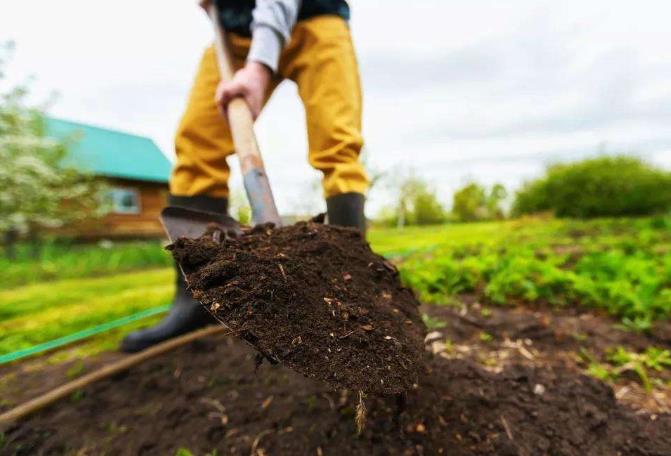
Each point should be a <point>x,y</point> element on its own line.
<point>37,192</point>
<point>608,186</point>
<point>602,186</point>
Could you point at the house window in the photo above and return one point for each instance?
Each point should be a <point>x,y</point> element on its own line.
<point>124,200</point>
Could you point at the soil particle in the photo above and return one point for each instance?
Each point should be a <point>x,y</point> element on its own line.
<point>313,297</point>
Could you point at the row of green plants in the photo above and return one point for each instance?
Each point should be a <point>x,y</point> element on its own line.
<point>621,266</point>
<point>646,365</point>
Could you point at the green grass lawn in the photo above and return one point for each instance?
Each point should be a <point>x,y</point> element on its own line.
<point>68,260</point>
<point>396,242</point>
<point>622,266</point>
<point>40,312</point>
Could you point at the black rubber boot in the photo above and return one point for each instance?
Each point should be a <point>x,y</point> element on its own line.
<point>186,314</point>
<point>346,209</point>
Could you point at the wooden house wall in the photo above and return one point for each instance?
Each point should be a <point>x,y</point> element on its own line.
<point>145,224</point>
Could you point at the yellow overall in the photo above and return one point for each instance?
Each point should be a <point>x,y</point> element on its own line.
<point>320,59</point>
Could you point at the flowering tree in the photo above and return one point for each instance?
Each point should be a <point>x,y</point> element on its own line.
<point>37,191</point>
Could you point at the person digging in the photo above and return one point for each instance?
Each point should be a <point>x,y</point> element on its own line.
<point>307,42</point>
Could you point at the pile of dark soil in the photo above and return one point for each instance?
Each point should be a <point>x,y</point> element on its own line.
<point>313,297</point>
<point>208,396</point>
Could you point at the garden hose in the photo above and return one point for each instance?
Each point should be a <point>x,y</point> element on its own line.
<point>83,334</point>
<point>123,364</point>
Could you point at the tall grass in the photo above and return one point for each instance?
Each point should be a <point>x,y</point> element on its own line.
<point>59,260</point>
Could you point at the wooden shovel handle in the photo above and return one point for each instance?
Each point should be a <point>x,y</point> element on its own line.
<point>241,123</point>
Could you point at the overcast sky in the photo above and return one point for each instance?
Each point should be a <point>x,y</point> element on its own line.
<point>456,90</point>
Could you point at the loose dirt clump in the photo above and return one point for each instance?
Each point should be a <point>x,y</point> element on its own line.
<point>313,297</point>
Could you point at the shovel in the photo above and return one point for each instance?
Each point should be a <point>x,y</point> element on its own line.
<point>180,222</point>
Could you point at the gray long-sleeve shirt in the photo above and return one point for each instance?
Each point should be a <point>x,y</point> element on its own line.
<point>271,28</point>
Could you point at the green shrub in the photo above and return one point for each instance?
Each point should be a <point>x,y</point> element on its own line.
<point>427,208</point>
<point>597,187</point>
<point>474,202</point>
<point>417,204</point>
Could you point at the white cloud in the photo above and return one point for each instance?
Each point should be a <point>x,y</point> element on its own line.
<point>481,89</point>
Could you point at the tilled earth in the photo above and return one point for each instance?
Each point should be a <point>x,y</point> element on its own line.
<point>515,393</point>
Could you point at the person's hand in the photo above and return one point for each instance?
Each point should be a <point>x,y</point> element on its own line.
<point>250,82</point>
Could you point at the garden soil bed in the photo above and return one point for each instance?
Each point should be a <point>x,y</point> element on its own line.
<point>566,339</point>
<point>209,395</point>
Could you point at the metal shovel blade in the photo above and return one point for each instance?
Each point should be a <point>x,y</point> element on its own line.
<point>180,222</point>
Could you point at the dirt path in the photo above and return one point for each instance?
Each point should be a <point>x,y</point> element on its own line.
<point>516,392</point>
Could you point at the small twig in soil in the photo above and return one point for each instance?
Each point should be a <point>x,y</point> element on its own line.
<point>214,403</point>
<point>283,273</point>
<point>257,440</point>
<point>360,418</point>
<point>507,428</point>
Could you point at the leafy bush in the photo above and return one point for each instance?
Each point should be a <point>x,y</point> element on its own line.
<point>597,187</point>
<point>417,204</point>
<point>473,202</point>
<point>427,208</point>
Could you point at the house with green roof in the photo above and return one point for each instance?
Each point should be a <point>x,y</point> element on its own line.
<point>133,166</point>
